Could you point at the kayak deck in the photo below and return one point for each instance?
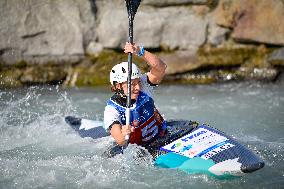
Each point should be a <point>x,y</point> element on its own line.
<point>187,146</point>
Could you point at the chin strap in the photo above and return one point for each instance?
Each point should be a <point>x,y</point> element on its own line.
<point>120,97</point>
<point>120,92</point>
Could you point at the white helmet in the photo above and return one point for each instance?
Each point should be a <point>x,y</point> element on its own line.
<point>119,73</point>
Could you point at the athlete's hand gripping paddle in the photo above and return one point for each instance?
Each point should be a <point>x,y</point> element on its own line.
<point>132,6</point>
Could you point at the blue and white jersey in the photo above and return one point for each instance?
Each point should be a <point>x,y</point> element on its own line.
<point>111,114</point>
<point>145,119</point>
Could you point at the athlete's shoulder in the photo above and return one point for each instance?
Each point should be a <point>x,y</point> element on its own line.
<point>146,86</point>
<point>111,115</point>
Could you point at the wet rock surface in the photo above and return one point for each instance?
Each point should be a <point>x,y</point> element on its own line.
<point>277,57</point>
<point>202,41</point>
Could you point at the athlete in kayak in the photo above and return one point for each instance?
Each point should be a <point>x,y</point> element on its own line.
<point>146,122</point>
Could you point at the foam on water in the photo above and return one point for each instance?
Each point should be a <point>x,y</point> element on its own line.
<point>39,150</point>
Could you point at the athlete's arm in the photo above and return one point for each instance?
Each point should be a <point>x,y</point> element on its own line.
<point>119,132</point>
<point>158,67</point>
<point>112,123</point>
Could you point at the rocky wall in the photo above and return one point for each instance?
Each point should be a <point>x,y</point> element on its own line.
<point>202,41</point>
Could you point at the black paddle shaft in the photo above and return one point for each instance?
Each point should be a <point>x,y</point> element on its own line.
<point>132,6</point>
<point>130,40</point>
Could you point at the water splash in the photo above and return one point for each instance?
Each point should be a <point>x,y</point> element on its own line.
<point>28,115</point>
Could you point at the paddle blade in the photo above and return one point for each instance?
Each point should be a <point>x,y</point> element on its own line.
<point>132,6</point>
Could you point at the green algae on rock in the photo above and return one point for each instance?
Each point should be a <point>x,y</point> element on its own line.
<point>22,74</point>
<point>224,56</point>
<point>94,71</point>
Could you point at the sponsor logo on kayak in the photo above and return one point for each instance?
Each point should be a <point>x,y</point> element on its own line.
<point>186,139</point>
<point>192,152</point>
<point>193,136</point>
<point>197,143</point>
<point>176,145</point>
<point>224,146</point>
<point>185,148</point>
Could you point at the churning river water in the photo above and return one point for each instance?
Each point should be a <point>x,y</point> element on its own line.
<point>39,150</point>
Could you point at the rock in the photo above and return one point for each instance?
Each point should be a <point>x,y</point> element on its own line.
<point>263,23</point>
<point>94,48</point>
<point>217,35</point>
<point>149,27</point>
<point>10,56</point>
<point>43,74</point>
<point>277,57</point>
<point>258,21</point>
<point>45,29</point>
<point>165,3</point>
<point>260,74</point>
<point>224,56</point>
<point>109,3</point>
<point>112,33</point>
<point>94,71</point>
<point>192,78</point>
<point>180,62</point>
<point>201,10</point>
<point>227,12</point>
<point>153,28</point>
<point>183,29</point>
<point>195,35</point>
<point>9,78</point>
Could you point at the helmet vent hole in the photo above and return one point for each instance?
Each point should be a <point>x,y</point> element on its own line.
<point>112,71</point>
<point>123,70</point>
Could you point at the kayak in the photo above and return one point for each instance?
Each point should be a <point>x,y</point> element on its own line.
<point>187,146</point>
